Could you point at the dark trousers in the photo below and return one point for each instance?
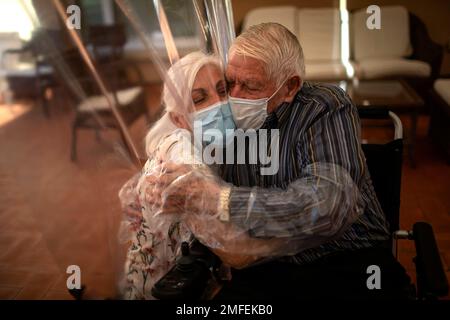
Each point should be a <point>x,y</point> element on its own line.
<point>338,276</point>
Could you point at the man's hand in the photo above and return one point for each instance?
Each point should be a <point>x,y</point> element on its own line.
<point>181,189</point>
<point>160,178</point>
<point>195,192</point>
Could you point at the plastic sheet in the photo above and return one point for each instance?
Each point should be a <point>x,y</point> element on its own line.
<point>155,239</point>
<point>85,221</point>
<point>323,204</point>
<point>76,210</point>
<point>175,196</point>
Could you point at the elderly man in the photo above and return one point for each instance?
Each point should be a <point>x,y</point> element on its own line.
<point>318,124</point>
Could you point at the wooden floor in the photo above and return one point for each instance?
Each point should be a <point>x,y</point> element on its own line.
<point>55,213</point>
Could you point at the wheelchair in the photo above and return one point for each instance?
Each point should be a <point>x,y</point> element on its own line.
<point>384,162</point>
<point>188,279</point>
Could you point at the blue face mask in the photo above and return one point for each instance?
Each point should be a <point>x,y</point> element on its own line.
<point>217,117</point>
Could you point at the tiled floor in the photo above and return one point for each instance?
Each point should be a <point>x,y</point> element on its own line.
<point>55,213</point>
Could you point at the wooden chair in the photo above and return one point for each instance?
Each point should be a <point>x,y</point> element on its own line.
<point>92,110</point>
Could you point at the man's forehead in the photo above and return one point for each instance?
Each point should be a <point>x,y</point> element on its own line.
<point>245,67</point>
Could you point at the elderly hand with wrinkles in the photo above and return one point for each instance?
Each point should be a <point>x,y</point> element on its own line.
<point>183,189</point>
<point>195,192</point>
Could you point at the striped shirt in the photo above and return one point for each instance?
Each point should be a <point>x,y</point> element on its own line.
<point>321,125</point>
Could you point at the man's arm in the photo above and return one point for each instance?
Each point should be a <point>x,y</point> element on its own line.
<point>324,200</point>
<point>317,207</point>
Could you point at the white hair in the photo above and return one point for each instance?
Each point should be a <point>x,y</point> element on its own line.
<point>274,45</point>
<point>177,91</point>
<point>177,95</point>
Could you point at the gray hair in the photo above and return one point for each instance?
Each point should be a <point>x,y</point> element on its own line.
<point>177,95</point>
<point>274,45</point>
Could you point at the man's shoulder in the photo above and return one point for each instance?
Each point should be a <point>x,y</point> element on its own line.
<point>325,95</point>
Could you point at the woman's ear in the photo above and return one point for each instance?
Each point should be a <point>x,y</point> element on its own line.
<point>293,85</point>
<point>178,120</point>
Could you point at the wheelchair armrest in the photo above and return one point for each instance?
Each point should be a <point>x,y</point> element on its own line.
<point>431,279</point>
<point>383,113</point>
<point>373,113</point>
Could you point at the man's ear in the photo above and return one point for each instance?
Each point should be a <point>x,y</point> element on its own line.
<point>293,85</point>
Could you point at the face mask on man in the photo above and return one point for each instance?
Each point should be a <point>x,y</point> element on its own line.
<point>217,116</point>
<point>250,113</point>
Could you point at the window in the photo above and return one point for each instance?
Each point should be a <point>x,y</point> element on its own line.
<point>17,16</point>
<point>180,14</point>
<point>98,11</point>
<point>183,23</point>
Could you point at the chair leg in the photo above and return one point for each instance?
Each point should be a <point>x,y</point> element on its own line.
<point>41,96</point>
<point>73,152</point>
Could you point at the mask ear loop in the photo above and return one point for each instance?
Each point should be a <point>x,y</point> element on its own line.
<point>263,99</point>
<point>276,91</point>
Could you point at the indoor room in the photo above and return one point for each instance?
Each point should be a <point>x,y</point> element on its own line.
<point>252,147</point>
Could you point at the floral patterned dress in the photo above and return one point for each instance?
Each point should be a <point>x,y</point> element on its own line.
<point>154,240</point>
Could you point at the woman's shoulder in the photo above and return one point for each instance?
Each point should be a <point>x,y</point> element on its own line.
<point>179,135</point>
<point>173,145</point>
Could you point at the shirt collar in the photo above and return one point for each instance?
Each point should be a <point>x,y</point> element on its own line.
<point>283,111</point>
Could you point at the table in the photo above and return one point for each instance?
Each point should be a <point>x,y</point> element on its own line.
<point>395,95</point>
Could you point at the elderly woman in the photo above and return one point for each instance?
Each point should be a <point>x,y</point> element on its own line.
<point>194,90</point>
